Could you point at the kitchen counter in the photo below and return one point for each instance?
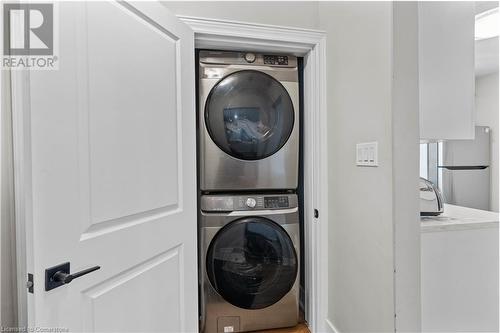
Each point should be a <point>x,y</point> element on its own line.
<point>459,218</point>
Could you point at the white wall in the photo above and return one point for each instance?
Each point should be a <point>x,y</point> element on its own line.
<point>303,14</point>
<point>361,230</point>
<point>487,115</point>
<point>406,148</point>
<point>359,50</point>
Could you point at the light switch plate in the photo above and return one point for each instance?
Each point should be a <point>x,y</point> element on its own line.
<point>367,154</point>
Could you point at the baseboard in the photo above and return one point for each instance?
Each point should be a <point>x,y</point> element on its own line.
<point>331,328</point>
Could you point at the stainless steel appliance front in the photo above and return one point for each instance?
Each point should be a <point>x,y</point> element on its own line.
<point>248,121</point>
<point>464,169</point>
<point>249,262</point>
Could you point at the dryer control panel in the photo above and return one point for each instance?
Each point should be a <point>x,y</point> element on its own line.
<point>275,60</point>
<point>247,58</point>
<point>226,203</point>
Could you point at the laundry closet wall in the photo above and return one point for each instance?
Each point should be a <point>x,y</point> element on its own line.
<point>290,13</point>
<point>372,50</point>
<point>363,216</point>
<point>361,231</point>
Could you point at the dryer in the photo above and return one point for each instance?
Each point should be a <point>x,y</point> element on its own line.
<point>248,121</point>
<point>249,262</point>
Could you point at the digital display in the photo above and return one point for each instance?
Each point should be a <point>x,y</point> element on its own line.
<point>275,60</point>
<point>276,202</point>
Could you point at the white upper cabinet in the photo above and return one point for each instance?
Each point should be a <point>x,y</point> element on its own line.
<point>446,70</point>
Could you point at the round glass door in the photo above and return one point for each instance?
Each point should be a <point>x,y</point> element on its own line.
<point>249,115</point>
<point>252,263</point>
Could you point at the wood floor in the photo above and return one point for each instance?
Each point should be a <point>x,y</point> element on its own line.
<point>300,328</point>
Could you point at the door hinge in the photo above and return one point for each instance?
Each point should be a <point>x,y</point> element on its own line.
<point>30,284</point>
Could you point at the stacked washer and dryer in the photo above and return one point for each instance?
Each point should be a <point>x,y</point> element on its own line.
<point>249,212</point>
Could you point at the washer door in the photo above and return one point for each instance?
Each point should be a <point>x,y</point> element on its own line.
<point>252,263</point>
<point>249,115</point>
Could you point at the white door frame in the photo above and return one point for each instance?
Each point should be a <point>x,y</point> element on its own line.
<point>310,44</point>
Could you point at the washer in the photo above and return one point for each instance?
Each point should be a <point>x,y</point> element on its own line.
<point>248,121</point>
<point>249,262</point>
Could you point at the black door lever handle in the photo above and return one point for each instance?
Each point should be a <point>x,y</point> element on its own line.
<point>59,275</point>
<point>65,278</point>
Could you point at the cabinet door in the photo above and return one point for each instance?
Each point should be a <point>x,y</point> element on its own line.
<point>446,70</point>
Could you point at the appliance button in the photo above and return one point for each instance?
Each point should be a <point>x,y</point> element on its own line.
<point>250,57</point>
<point>251,202</point>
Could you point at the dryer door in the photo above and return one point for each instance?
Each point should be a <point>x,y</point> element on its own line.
<point>252,263</point>
<point>249,115</point>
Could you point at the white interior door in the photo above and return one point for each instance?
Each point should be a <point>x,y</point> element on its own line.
<point>108,171</point>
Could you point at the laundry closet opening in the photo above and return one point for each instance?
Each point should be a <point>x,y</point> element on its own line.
<point>250,190</point>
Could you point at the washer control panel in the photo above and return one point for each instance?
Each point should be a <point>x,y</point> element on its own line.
<point>250,202</point>
<point>276,202</point>
<point>226,203</point>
